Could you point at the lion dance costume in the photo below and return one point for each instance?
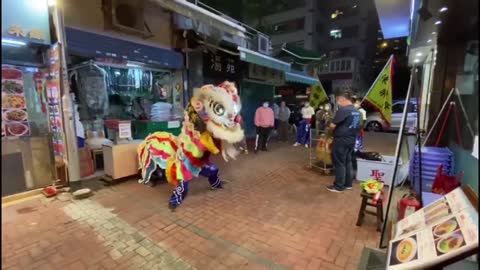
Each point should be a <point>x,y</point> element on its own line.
<point>211,125</point>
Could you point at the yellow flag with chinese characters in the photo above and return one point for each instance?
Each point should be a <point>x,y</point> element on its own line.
<point>318,95</point>
<point>380,94</point>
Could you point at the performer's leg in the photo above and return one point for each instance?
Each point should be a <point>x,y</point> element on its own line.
<point>257,138</point>
<point>179,194</point>
<point>210,171</point>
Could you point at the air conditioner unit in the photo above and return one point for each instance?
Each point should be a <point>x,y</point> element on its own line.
<point>263,44</point>
<point>126,16</point>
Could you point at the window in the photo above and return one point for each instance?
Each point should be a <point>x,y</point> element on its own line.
<point>335,34</point>
<point>345,32</point>
<point>397,108</point>
<point>348,66</point>
<point>289,26</point>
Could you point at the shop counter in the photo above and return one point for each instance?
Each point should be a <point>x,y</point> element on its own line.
<point>120,160</point>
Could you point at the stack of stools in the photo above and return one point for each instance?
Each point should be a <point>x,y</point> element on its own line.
<point>432,157</point>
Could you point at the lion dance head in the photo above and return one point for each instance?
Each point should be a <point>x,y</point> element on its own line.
<point>216,109</point>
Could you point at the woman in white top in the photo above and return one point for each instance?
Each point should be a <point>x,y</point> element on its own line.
<point>303,132</point>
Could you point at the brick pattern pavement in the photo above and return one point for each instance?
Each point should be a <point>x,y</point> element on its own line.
<point>273,214</point>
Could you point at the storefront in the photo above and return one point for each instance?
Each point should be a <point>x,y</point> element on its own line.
<point>213,65</point>
<point>123,91</point>
<point>27,149</point>
<point>263,75</point>
<point>297,88</point>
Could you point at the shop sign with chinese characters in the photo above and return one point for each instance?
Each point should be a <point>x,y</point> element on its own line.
<point>273,76</point>
<point>26,20</point>
<point>220,64</point>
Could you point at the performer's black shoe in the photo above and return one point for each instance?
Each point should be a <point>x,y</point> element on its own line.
<point>220,186</point>
<point>172,207</point>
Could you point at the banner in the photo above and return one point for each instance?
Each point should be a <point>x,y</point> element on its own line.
<point>380,94</point>
<point>318,95</point>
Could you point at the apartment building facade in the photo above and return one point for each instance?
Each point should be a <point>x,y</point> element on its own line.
<point>345,30</point>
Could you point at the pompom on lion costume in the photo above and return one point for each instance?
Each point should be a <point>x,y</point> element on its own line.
<point>211,125</point>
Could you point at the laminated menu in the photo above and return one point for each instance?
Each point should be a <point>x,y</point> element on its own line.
<point>452,203</point>
<point>14,105</point>
<point>449,237</point>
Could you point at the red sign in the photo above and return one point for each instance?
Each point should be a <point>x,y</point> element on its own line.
<point>377,175</point>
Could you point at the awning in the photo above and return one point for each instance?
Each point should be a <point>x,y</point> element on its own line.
<point>90,44</point>
<point>262,60</point>
<point>301,55</point>
<point>300,78</point>
<point>209,18</point>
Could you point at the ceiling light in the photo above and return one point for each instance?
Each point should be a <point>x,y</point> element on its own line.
<point>438,22</point>
<point>428,41</point>
<point>434,33</point>
<point>11,42</point>
<point>419,54</point>
<point>355,6</point>
<point>443,9</point>
<point>416,61</point>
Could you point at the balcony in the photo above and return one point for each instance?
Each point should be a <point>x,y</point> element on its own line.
<point>249,38</point>
<point>338,65</point>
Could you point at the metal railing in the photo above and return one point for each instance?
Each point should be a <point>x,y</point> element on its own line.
<point>252,33</point>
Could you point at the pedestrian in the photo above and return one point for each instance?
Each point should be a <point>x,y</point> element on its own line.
<point>360,136</point>
<point>303,132</point>
<point>283,124</point>
<point>264,122</point>
<point>345,126</point>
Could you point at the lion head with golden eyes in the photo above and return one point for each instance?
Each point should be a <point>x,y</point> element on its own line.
<point>216,109</point>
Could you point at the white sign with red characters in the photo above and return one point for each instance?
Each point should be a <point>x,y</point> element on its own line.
<point>381,170</point>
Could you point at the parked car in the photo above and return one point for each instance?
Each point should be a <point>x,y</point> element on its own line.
<point>376,123</point>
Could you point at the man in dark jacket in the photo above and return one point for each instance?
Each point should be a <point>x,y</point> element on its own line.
<point>345,126</point>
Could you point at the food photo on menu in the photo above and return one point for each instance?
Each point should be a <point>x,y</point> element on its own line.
<point>404,250</point>
<point>448,236</point>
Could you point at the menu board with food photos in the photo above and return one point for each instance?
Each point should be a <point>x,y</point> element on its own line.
<point>14,104</point>
<point>442,231</point>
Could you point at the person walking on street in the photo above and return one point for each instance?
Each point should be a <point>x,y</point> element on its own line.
<point>283,125</point>
<point>303,132</point>
<point>360,136</point>
<point>264,122</point>
<point>345,126</point>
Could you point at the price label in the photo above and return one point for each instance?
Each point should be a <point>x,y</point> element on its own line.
<point>125,130</point>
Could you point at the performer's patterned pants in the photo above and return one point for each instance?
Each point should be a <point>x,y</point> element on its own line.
<point>180,192</point>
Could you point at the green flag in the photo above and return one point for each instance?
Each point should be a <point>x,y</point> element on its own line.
<point>318,95</point>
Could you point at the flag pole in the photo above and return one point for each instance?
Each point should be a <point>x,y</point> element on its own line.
<point>378,77</point>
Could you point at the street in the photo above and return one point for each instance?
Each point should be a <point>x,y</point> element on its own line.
<point>272,214</point>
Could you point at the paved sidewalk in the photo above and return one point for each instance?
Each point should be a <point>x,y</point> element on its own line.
<point>273,214</point>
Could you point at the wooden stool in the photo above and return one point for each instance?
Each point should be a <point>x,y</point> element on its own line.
<point>378,206</point>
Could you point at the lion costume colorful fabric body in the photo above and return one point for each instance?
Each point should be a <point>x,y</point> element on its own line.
<point>211,125</point>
